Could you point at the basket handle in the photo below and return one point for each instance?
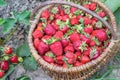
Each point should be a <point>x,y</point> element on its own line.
<point>114,35</point>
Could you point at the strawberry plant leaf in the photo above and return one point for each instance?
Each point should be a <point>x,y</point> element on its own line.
<point>117,15</point>
<point>23,78</point>
<point>8,25</point>
<point>11,69</point>
<point>113,4</point>
<point>30,63</point>
<point>24,14</point>
<point>3,3</point>
<point>25,21</point>
<point>1,21</point>
<point>23,50</point>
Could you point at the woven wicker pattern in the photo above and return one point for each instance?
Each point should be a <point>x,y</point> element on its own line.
<point>81,72</point>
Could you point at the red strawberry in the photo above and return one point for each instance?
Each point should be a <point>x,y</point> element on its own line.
<point>46,37</point>
<point>60,62</point>
<point>64,29</point>
<point>73,9</point>
<point>37,34</point>
<point>94,54</point>
<point>78,54</point>
<point>14,59</point>
<point>87,6</point>
<point>76,45</point>
<point>8,50</point>
<point>87,21</point>
<point>100,34</point>
<point>102,14</point>
<point>58,34</point>
<point>71,61</point>
<point>84,38</point>
<point>49,30</point>
<point>87,52</point>
<point>59,58</point>
<point>78,63</point>
<point>62,12</point>
<point>85,59</point>
<point>74,37</point>
<point>45,14</point>
<point>69,48</point>
<point>55,26</point>
<point>93,6</point>
<point>74,21</point>
<point>92,43</point>
<point>64,42</point>
<point>36,43</point>
<point>56,48</point>
<point>48,59</point>
<point>43,48</point>
<point>88,29</point>
<point>70,55</point>
<point>1,74</point>
<point>65,17</point>
<point>4,65</point>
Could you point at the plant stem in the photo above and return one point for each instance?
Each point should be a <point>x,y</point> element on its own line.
<point>10,35</point>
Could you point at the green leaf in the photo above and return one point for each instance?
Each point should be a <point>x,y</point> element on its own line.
<point>23,50</point>
<point>1,21</point>
<point>30,63</point>
<point>11,69</point>
<point>26,21</point>
<point>3,3</point>
<point>113,4</point>
<point>117,15</point>
<point>24,14</point>
<point>103,1</point>
<point>23,78</point>
<point>8,25</point>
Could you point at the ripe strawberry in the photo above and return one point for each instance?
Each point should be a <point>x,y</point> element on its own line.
<point>4,65</point>
<point>74,21</point>
<point>85,39</point>
<point>55,26</point>
<point>70,55</point>
<point>60,62</point>
<point>65,17</point>
<point>77,63</point>
<point>85,59</point>
<point>56,48</point>
<point>74,37</point>
<point>100,34</point>
<point>78,54</point>
<point>36,43</point>
<point>43,48</point>
<point>94,54</point>
<point>76,45</point>
<point>37,34</point>
<point>48,59</point>
<point>93,6</point>
<point>102,14</point>
<point>92,43</point>
<point>69,48</point>
<point>87,21</point>
<point>58,34</point>
<point>1,74</point>
<point>71,61</point>
<point>87,52</point>
<point>14,59</point>
<point>73,9</point>
<point>46,37</point>
<point>64,42</point>
<point>59,58</point>
<point>88,29</point>
<point>45,14</point>
<point>64,29</point>
<point>87,6</point>
<point>62,12</point>
<point>8,50</point>
<point>49,30</point>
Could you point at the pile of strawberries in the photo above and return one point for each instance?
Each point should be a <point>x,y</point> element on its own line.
<point>7,58</point>
<point>68,37</point>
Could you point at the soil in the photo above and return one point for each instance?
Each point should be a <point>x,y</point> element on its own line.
<point>20,37</point>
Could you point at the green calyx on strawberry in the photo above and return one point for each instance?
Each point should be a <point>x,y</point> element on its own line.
<point>83,46</point>
<point>96,40</point>
<point>55,10</point>
<point>94,53</point>
<point>50,41</point>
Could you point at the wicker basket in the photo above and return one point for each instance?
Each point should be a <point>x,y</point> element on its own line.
<point>86,70</point>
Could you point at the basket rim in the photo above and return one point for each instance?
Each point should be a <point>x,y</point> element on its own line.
<point>75,69</point>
